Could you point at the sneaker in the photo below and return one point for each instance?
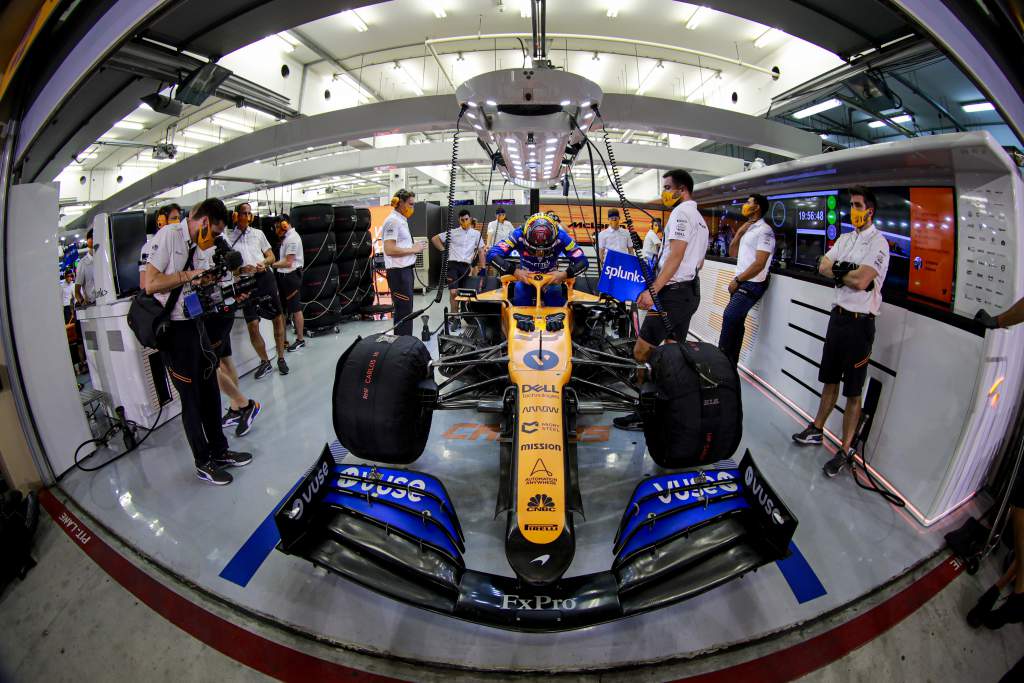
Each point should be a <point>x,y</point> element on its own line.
<point>232,459</point>
<point>212,473</point>
<point>1010,612</point>
<point>230,418</point>
<point>282,366</point>
<point>809,437</point>
<point>837,464</point>
<point>630,423</point>
<point>246,416</point>
<point>264,369</point>
<point>297,344</point>
<point>976,617</point>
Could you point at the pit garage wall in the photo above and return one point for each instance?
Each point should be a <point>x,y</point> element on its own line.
<point>948,396</point>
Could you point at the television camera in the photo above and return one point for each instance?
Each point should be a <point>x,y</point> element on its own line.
<point>220,288</point>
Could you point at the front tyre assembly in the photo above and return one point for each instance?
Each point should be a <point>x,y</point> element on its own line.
<point>384,398</point>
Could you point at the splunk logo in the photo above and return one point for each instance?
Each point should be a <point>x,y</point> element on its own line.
<point>620,273</point>
<point>710,488</point>
<point>377,487</point>
<point>300,503</point>
<point>757,488</point>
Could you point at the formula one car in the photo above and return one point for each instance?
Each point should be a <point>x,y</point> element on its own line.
<point>396,530</point>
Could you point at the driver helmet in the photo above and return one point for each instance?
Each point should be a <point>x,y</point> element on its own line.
<point>540,233</point>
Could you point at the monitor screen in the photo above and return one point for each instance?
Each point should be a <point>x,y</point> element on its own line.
<point>127,235</point>
<point>804,224</point>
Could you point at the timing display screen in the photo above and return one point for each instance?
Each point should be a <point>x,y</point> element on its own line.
<point>807,221</point>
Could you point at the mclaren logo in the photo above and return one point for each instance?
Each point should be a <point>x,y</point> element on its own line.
<point>759,492</point>
<point>541,560</point>
<point>540,468</point>
<point>540,503</point>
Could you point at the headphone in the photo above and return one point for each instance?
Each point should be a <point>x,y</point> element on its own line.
<point>161,220</point>
<point>394,202</point>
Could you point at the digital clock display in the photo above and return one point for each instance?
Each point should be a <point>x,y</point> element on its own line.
<point>816,215</point>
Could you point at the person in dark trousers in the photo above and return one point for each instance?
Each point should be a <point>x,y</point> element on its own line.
<point>677,281</point>
<point>1012,610</point>
<point>851,325</point>
<point>400,257</point>
<point>752,247</point>
<point>178,255</point>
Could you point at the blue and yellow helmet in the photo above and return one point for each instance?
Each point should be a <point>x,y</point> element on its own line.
<point>540,233</point>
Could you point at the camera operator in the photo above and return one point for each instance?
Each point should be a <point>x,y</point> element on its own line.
<point>179,254</point>
<point>857,262</point>
<point>289,276</point>
<point>752,247</point>
<point>465,257</point>
<point>165,215</point>
<point>677,282</point>
<point>85,279</point>
<point>257,255</point>
<point>400,257</point>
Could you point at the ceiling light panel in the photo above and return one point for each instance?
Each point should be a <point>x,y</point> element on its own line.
<point>817,108</point>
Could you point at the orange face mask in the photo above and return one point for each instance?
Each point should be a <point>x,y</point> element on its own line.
<point>282,228</point>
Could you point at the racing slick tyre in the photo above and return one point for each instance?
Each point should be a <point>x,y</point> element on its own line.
<point>353,273</point>
<point>319,282</point>
<point>691,409</point>
<point>362,218</point>
<point>324,312</point>
<point>354,245</point>
<point>318,248</point>
<point>312,218</point>
<point>344,221</point>
<point>384,398</point>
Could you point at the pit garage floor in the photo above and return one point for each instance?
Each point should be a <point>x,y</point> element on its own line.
<point>849,541</point>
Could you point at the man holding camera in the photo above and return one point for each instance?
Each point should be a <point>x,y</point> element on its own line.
<point>258,256</point>
<point>857,262</point>
<point>179,254</point>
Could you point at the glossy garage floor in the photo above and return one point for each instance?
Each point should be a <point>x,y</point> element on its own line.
<point>851,539</point>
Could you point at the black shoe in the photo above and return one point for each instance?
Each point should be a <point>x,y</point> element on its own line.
<point>809,437</point>
<point>282,366</point>
<point>297,344</point>
<point>232,459</point>
<point>212,473</point>
<point>230,418</point>
<point>1010,612</point>
<point>246,416</point>
<point>837,464</point>
<point>630,423</point>
<point>976,617</point>
<point>263,369</point>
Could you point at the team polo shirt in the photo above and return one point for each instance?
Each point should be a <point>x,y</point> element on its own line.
<point>758,237</point>
<point>291,244</point>
<point>396,227</point>
<point>616,239</point>
<point>251,243</point>
<point>686,224</point>
<point>867,247</point>
<point>168,253</point>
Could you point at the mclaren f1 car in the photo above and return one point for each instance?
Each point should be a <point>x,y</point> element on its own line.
<point>396,530</point>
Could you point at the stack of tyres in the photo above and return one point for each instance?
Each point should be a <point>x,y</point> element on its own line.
<point>320,300</point>
<point>354,258</point>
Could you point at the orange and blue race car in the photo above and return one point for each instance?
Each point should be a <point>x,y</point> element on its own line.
<point>539,352</point>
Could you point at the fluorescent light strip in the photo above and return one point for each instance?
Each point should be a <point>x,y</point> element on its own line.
<point>355,21</point>
<point>902,118</point>
<point>130,125</point>
<point>817,108</point>
<point>975,107</point>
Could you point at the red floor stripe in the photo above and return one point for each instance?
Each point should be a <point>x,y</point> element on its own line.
<point>286,664</point>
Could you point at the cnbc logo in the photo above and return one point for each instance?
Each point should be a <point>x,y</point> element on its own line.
<point>540,503</point>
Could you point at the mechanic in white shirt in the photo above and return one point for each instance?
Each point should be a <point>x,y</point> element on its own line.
<point>165,215</point>
<point>466,255</point>
<point>67,295</point>
<point>676,283</point>
<point>752,247</point>
<point>857,263</point>
<point>289,276</point>
<point>499,229</point>
<point>85,279</point>
<point>652,241</point>
<point>614,237</point>
<point>190,363</point>
<point>400,257</point>
<point>258,256</point>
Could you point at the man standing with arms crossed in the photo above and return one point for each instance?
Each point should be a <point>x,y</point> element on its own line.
<point>857,262</point>
<point>465,257</point>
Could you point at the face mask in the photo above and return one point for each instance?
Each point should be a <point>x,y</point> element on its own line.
<point>407,211</point>
<point>859,217</point>
<point>243,220</point>
<point>747,210</point>
<point>282,228</point>
<point>205,236</point>
<point>501,219</point>
<point>668,198</point>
